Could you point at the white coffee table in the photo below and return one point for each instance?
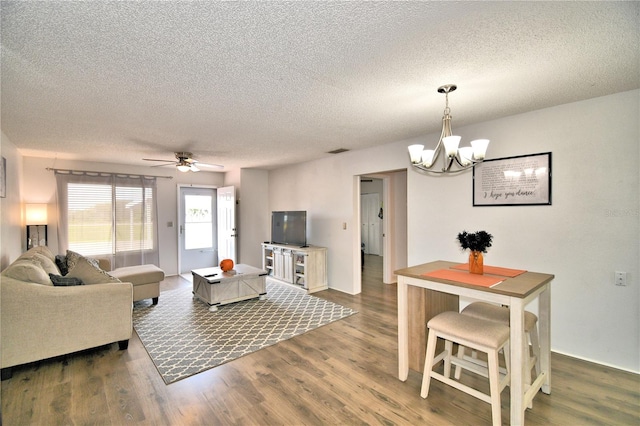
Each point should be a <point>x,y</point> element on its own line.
<point>217,288</point>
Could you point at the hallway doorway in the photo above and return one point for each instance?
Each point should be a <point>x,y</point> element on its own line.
<point>388,251</point>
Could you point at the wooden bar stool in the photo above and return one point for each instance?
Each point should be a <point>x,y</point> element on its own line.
<point>481,335</point>
<point>487,311</point>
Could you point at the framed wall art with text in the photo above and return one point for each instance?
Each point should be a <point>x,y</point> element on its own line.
<point>524,180</point>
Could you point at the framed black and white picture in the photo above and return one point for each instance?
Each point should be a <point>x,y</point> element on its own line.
<point>3,177</point>
<point>523,180</point>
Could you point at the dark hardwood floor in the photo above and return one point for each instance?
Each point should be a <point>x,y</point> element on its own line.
<point>343,373</point>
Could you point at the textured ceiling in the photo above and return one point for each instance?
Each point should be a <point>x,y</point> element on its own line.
<point>263,84</point>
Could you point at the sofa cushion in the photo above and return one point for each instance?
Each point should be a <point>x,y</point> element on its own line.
<point>89,273</point>
<point>44,260</point>
<point>139,274</point>
<point>43,250</point>
<point>28,270</point>
<point>47,264</point>
<point>59,280</point>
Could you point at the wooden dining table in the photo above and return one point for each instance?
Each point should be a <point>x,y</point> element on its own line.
<point>421,297</point>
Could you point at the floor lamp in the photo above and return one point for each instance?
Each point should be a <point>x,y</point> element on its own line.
<point>36,219</point>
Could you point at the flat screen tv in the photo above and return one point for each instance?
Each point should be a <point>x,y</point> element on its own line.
<point>289,227</point>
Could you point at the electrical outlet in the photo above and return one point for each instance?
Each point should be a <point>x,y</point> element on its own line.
<point>620,278</point>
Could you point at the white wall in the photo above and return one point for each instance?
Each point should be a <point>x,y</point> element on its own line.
<point>40,186</point>
<point>255,219</point>
<point>252,212</point>
<point>590,231</point>
<point>12,231</point>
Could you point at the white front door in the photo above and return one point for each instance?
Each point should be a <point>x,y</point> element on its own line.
<point>197,230</point>
<point>371,222</point>
<point>227,233</point>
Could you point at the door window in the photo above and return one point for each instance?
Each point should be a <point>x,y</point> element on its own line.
<point>198,225</point>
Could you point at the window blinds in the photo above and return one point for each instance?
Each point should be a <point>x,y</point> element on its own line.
<point>106,214</point>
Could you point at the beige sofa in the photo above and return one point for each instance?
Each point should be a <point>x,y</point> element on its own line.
<point>39,320</point>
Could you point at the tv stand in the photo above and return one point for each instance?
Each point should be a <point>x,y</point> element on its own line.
<point>304,267</point>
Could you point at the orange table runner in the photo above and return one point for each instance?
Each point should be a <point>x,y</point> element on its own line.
<point>464,277</point>
<point>493,270</point>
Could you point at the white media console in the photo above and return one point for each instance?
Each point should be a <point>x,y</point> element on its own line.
<point>305,267</point>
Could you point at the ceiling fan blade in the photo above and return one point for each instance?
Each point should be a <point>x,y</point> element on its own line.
<point>213,166</point>
<point>164,161</point>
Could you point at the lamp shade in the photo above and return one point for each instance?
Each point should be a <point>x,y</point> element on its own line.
<point>451,145</point>
<point>36,214</point>
<point>427,157</point>
<point>479,148</point>
<point>465,155</point>
<point>415,152</point>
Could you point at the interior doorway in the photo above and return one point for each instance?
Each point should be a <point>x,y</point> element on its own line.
<point>391,211</point>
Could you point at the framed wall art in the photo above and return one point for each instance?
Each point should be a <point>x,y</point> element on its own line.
<point>523,180</point>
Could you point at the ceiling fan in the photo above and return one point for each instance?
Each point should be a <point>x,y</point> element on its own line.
<point>184,162</point>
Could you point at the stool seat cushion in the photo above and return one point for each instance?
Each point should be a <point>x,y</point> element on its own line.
<point>486,333</point>
<point>139,274</point>
<point>483,310</point>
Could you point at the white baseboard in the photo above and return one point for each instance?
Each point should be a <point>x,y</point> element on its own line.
<point>617,367</point>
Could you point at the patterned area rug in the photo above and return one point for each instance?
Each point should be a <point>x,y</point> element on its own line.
<point>183,338</point>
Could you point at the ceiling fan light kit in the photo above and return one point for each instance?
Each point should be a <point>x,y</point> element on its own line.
<point>454,159</point>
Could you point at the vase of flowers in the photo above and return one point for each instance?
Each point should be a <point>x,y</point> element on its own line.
<point>477,243</point>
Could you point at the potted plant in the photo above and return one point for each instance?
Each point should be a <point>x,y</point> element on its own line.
<point>477,243</point>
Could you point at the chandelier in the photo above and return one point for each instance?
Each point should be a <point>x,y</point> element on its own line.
<point>463,157</point>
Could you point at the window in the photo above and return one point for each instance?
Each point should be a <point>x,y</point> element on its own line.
<point>106,214</point>
<point>198,225</point>
<point>90,223</point>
